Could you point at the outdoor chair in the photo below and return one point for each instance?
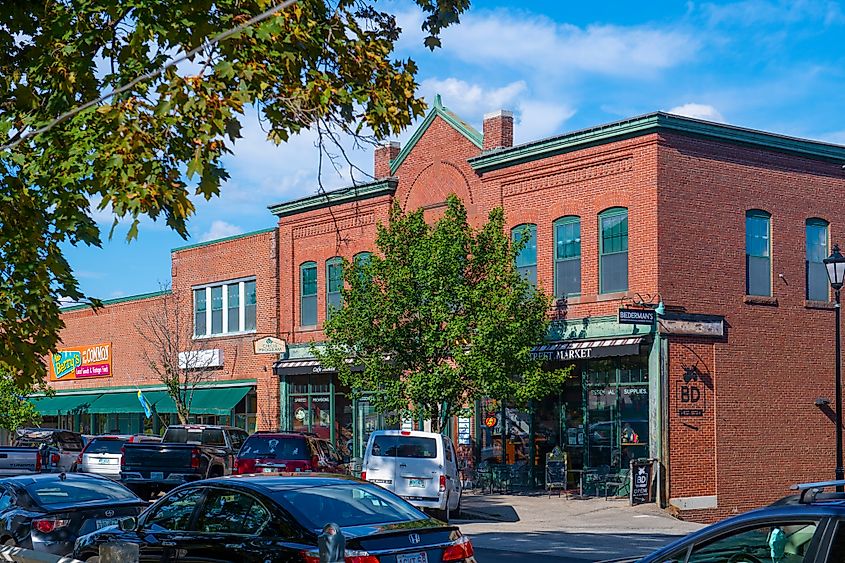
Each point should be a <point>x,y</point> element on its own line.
<point>619,482</point>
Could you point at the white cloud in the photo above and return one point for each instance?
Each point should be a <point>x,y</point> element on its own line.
<point>471,100</point>
<point>220,229</point>
<point>699,111</point>
<point>538,119</point>
<point>756,12</point>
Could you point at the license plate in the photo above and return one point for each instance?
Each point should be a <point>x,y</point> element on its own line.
<point>157,475</point>
<point>272,469</point>
<point>104,461</point>
<point>106,522</point>
<point>412,558</point>
<point>418,483</point>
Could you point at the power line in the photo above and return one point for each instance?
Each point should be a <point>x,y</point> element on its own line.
<point>205,44</point>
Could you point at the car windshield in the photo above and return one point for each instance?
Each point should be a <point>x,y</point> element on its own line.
<point>56,491</point>
<point>276,447</point>
<point>355,504</point>
<point>105,446</point>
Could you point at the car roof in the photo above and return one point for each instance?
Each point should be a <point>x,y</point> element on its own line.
<point>261,434</point>
<point>24,480</point>
<point>415,433</point>
<point>269,483</point>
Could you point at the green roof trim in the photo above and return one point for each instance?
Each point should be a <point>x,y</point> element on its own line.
<point>224,239</point>
<point>116,300</point>
<point>652,123</point>
<point>438,110</point>
<point>145,388</point>
<point>349,194</point>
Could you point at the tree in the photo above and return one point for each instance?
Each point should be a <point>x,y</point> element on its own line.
<point>441,317</point>
<point>145,151</point>
<point>179,361</point>
<point>15,410</point>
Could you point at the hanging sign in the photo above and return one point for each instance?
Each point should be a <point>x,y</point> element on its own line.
<point>637,316</point>
<point>464,431</point>
<point>81,362</point>
<point>269,345</point>
<point>490,421</point>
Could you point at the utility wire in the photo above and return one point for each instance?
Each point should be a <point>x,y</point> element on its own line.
<point>205,44</point>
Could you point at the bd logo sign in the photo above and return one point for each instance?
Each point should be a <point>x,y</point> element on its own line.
<point>692,393</point>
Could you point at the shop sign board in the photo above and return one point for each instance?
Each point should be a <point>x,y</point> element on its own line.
<point>81,362</point>
<point>692,393</point>
<point>637,317</point>
<point>464,431</point>
<point>556,470</point>
<point>269,345</point>
<point>641,481</point>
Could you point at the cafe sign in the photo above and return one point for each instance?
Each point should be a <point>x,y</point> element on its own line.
<point>81,362</point>
<point>637,317</point>
<point>269,345</point>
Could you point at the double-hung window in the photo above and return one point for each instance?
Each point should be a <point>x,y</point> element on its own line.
<point>613,250</point>
<point>308,294</point>
<point>818,287</point>
<point>567,256</point>
<point>334,285</point>
<point>224,308</point>
<point>758,253</point>
<point>526,260</point>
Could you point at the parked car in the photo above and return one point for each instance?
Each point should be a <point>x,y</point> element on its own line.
<point>266,452</point>
<point>48,512</point>
<point>186,453</point>
<point>102,453</point>
<point>16,460</point>
<point>58,448</point>
<point>277,518</point>
<point>420,467</point>
<point>809,527</point>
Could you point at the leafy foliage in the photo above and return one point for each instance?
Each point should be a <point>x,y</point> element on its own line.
<point>440,318</point>
<point>15,410</point>
<point>147,151</point>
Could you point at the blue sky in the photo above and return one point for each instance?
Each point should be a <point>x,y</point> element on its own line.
<point>560,66</point>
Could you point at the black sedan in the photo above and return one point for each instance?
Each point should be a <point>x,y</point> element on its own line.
<point>277,518</point>
<point>47,512</point>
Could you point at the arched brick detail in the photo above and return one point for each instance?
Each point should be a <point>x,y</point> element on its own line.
<point>434,183</point>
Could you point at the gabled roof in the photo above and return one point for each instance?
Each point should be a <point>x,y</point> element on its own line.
<point>438,110</point>
<point>652,123</point>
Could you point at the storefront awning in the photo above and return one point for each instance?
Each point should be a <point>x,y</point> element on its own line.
<point>64,404</point>
<point>218,401</point>
<point>299,367</point>
<point>588,349</point>
<point>113,403</point>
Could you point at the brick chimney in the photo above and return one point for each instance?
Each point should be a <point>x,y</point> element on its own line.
<point>382,157</point>
<point>498,130</point>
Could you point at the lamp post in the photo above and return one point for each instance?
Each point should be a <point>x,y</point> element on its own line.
<point>835,265</point>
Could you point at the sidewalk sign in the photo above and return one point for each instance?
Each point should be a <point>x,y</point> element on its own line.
<point>555,470</point>
<point>641,478</point>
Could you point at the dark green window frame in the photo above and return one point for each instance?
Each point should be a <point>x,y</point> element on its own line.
<point>758,253</point>
<point>613,250</point>
<point>526,260</point>
<point>567,256</point>
<point>308,294</point>
<point>817,237</point>
<point>334,285</point>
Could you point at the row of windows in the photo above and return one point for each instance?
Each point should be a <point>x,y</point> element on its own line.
<point>231,310</point>
<point>758,256</point>
<point>308,288</point>
<point>613,253</point>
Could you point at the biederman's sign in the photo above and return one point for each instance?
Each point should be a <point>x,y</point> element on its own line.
<point>637,316</point>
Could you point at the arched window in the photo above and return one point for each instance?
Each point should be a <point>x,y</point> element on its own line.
<point>334,285</point>
<point>567,256</point>
<point>818,287</point>
<point>613,250</point>
<point>526,260</point>
<point>362,257</point>
<point>308,294</point>
<point>758,253</point>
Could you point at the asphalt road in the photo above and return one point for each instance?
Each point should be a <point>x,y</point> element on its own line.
<point>483,555</point>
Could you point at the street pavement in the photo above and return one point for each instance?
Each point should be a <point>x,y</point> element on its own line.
<point>560,530</point>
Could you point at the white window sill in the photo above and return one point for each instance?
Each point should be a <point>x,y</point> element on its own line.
<point>224,335</point>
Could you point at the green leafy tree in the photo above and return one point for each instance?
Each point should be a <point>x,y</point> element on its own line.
<point>15,410</point>
<point>146,151</point>
<point>439,317</point>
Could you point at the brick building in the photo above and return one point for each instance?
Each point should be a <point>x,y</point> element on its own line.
<point>691,301</point>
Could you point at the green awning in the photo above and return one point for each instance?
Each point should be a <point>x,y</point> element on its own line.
<point>64,404</point>
<point>219,401</point>
<point>112,403</point>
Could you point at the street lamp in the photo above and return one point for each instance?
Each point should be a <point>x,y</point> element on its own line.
<point>835,265</point>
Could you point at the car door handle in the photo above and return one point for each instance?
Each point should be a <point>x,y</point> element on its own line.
<point>402,465</point>
<point>168,543</point>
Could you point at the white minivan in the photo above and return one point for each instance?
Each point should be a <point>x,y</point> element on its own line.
<point>420,467</point>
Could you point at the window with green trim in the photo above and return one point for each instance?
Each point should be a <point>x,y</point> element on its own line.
<point>567,256</point>
<point>613,250</point>
<point>308,294</point>
<point>526,260</point>
<point>334,285</point>
<point>758,250</point>
<point>818,287</point>
<point>199,312</point>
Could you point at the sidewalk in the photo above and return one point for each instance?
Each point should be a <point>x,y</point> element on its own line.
<point>590,529</point>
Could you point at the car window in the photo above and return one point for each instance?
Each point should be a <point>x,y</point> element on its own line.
<point>275,447</point>
<point>237,438</point>
<point>837,545</point>
<point>58,491</point>
<point>183,436</point>
<point>174,513</point>
<point>228,512</point>
<point>104,446</point>
<point>333,455</point>
<point>405,446</point>
<point>786,542</point>
<point>213,437</point>
<point>447,449</point>
<point>69,442</point>
<point>5,500</point>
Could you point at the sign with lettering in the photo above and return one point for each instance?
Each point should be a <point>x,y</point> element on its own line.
<point>692,393</point>
<point>637,316</point>
<point>640,481</point>
<point>269,345</point>
<point>81,362</point>
<point>464,431</point>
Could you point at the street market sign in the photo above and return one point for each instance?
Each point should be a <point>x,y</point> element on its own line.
<point>269,345</point>
<point>637,316</point>
<point>82,362</point>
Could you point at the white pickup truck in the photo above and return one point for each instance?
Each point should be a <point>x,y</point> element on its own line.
<point>40,450</point>
<point>19,461</point>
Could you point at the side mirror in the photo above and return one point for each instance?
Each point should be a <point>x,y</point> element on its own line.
<point>128,524</point>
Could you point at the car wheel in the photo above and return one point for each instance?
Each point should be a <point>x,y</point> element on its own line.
<point>458,512</point>
<point>93,559</point>
<point>10,542</point>
<point>144,493</point>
